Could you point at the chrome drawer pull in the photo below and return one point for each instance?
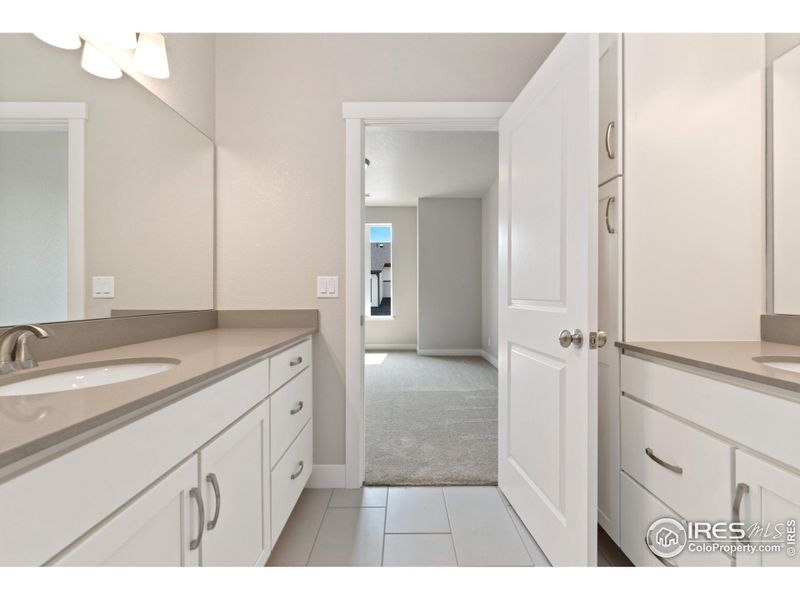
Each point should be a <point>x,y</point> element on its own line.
<point>294,411</point>
<point>212,479</point>
<point>663,560</point>
<point>296,361</point>
<point>666,465</point>
<point>296,474</point>
<point>609,202</point>
<point>609,151</point>
<point>201,518</point>
<point>741,490</point>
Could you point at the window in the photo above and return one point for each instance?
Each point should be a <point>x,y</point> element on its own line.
<point>379,283</point>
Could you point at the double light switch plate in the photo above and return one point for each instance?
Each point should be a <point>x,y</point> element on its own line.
<point>327,287</point>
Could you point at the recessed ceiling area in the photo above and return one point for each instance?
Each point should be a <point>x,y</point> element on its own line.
<point>408,165</point>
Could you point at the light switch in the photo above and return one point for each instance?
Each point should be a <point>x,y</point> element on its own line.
<point>103,286</point>
<point>327,287</point>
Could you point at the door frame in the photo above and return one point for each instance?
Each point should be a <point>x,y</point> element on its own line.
<point>404,116</point>
<point>70,117</point>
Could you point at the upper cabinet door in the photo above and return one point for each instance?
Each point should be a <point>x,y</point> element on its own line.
<point>771,498</point>
<point>610,121</point>
<point>548,285</point>
<point>159,528</point>
<point>234,476</point>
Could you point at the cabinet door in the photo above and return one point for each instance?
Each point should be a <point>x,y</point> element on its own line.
<point>235,481</point>
<point>608,309</point>
<point>610,116</point>
<point>155,529</point>
<point>772,497</point>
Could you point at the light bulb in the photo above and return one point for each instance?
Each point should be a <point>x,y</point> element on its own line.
<point>67,41</point>
<point>150,56</point>
<point>97,63</point>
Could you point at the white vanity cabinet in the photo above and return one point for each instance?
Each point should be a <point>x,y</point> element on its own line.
<point>691,439</point>
<point>610,114</point>
<point>190,484</point>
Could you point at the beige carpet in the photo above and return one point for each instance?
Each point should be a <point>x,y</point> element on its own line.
<point>430,420</point>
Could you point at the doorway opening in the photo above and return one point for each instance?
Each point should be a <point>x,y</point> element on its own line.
<point>430,385</point>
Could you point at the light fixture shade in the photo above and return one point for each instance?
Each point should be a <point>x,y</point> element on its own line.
<point>119,39</point>
<point>67,41</point>
<point>97,63</point>
<point>150,56</point>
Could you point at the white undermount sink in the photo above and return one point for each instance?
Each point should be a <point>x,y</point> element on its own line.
<point>85,376</point>
<point>786,363</point>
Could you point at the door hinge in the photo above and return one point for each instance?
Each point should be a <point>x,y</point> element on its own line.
<point>597,339</point>
<point>362,320</point>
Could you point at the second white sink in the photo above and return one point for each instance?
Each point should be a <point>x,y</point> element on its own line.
<point>86,376</point>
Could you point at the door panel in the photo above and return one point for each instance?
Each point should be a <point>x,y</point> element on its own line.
<point>548,283</point>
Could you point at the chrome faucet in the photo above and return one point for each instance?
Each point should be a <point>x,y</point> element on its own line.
<point>14,351</point>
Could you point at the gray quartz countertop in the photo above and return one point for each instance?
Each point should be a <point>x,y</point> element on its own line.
<point>728,358</point>
<point>33,426</point>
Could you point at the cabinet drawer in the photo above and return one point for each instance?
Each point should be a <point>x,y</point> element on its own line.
<point>289,477</point>
<point>639,509</point>
<point>287,364</point>
<point>655,446</point>
<point>290,410</point>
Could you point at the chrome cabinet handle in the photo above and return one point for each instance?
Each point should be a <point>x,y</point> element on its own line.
<point>609,202</point>
<point>201,518</point>
<point>296,474</point>
<point>663,463</point>
<point>609,151</point>
<point>212,479</point>
<point>741,490</point>
<point>296,361</point>
<point>567,337</point>
<point>294,411</point>
<point>661,559</point>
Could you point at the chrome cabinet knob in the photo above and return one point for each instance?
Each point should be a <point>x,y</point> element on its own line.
<point>567,337</point>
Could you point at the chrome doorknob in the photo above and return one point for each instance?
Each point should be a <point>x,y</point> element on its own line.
<point>574,337</point>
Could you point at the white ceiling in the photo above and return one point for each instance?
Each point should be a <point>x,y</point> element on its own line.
<point>408,165</point>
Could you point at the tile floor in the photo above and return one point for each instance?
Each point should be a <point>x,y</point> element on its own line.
<point>405,526</point>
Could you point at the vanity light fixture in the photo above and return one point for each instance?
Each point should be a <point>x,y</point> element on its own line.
<point>119,39</point>
<point>150,56</point>
<point>95,62</point>
<point>67,41</point>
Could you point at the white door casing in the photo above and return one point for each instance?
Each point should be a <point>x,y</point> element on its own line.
<point>547,414</point>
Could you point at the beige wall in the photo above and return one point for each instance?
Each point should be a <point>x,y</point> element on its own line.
<point>402,329</point>
<point>489,248</point>
<point>280,186</point>
<point>694,186</point>
<point>149,198</point>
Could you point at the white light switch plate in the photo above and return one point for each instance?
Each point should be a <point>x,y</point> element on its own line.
<point>103,286</point>
<point>327,287</point>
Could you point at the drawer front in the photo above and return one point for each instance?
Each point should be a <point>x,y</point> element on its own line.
<point>289,477</point>
<point>287,364</point>
<point>639,510</point>
<point>290,410</point>
<point>655,447</point>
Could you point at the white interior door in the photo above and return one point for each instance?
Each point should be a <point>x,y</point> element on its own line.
<point>548,283</point>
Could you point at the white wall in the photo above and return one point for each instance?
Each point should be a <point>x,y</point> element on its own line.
<point>489,249</point>
<point>694,186</point>
<point>403,328</point>
<point>449,249</point>
<point>280,186</point>
<point>33,227</point>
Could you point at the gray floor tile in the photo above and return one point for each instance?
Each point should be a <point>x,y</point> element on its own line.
<point>483,531</point>
<point>350,537</point>
<point>536,554</point>
<point>362,497</point>
<point>295,542</point>
<point>416,510</point>
<point>419,550</point>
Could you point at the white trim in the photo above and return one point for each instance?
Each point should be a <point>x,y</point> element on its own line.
<point>391,347</point>
<point>430,116</point>
<point>490,358</point>
<point>327,476</point>
<point>70,117</point>
<point>450,352</point>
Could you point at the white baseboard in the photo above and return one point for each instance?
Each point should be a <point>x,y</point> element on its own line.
<point>390,346</point>
<point>450,352</point>
<point>327,476</point>
<point>490,358</point>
